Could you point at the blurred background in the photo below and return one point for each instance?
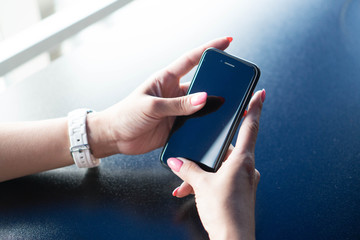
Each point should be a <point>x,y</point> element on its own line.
<point>35,32</point>
<point>308,148</point>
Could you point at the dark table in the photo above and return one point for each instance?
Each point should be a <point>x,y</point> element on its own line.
<point>308,149</point>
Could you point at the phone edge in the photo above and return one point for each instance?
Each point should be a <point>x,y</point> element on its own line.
<point>237,121</point>
<point>239,115</point>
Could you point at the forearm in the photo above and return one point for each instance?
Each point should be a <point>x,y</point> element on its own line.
<point>31,147</point>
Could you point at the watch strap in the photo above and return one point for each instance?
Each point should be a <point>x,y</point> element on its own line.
<point>79,146</point>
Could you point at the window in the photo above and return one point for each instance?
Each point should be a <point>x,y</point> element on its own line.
<point>35,24</point>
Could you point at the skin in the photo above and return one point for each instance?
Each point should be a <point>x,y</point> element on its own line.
<point>230,193</point>
<point>140,123</point>
<point>137,124</point>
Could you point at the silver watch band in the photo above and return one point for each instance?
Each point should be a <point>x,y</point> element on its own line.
<point>79,147</point>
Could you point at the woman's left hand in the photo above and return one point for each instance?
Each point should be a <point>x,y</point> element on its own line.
<point>142,121</point>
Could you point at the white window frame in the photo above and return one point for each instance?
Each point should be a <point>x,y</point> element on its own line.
<point>51,31</point>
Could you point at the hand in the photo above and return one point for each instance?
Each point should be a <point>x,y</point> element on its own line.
<point>141,122</point>
<point>226,199</point>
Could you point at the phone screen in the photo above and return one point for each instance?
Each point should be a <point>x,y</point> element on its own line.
<point>203,136</point>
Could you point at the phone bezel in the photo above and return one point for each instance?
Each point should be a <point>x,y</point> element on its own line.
<point>238,115</point>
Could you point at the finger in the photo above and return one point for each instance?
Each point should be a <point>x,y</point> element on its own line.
<point>257,177</point>
<point>185,87</point>
<point>249,129</point>
<point>180,106</point>
<point>187,170</point>
<point>183,190</point>
<point>186,62</point>
<point>229,151</point>
<point>245,112</point>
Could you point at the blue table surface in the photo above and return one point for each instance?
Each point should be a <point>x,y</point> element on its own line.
<point>308,149</point>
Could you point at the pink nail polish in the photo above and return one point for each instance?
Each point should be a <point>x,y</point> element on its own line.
<point>174,193</point>
<point>263,95</point>
<point>229,39</point>
<point>198,98</point>
<point>245,112</point>
<point>175,164</point>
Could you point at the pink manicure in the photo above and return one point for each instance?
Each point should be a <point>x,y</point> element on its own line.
<point>175,164</point>
<point>245,112</point>
<point>263,95</point>
<point>198,98</point>
<point>174,193</point>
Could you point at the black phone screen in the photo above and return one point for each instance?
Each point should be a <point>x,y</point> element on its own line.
<point>202,136</point>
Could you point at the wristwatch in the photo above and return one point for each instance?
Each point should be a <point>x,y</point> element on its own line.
<point>79,146</point>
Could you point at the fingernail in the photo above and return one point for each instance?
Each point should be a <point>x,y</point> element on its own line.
<point>263,95</point>
<point>198,98</point>
<point>175,164</point>
<point>174,193</point>
<point>229,39</point>
<point>245,112</point>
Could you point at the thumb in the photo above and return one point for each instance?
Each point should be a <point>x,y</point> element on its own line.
<point>250,126</point>
<point>187,170</point>
<point>184,105</point>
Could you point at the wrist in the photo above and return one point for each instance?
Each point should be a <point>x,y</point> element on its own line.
<point>99,136</point>
<point>232,233</point>
<point>234,225</point>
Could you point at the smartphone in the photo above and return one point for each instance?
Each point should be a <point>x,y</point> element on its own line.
<point>204,137</point>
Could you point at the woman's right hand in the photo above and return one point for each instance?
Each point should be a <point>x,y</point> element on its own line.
<point>226,199</point>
